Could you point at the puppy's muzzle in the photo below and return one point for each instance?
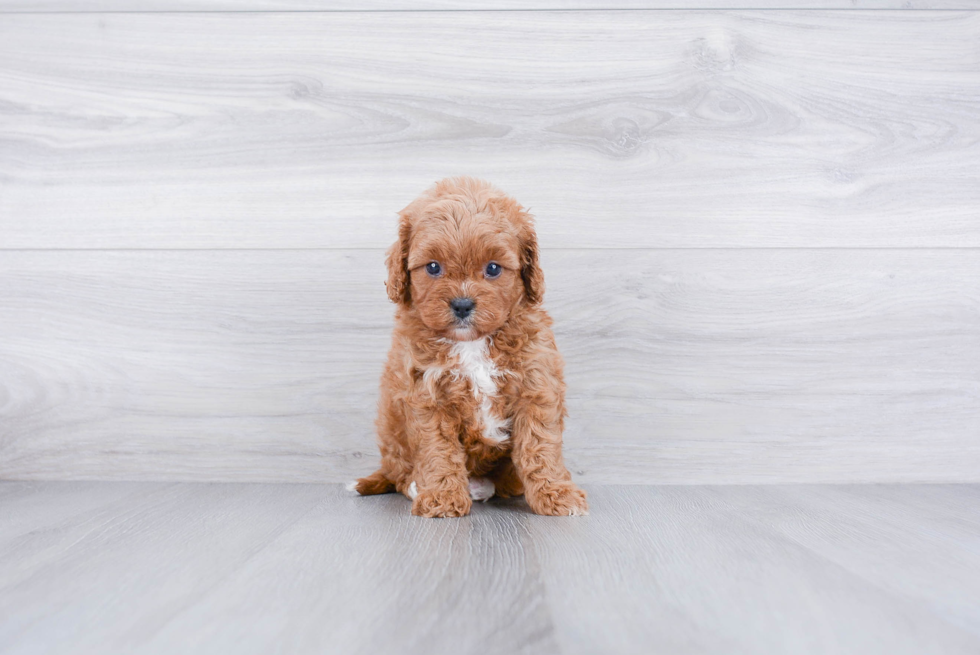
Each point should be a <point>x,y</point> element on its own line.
<point>462,307</point>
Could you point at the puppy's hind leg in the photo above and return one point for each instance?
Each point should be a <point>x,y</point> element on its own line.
<point>376,483</point>
<point>506,482</point>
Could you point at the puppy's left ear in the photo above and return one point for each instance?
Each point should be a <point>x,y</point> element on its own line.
<point>397,284</point>
<point>531,272</point>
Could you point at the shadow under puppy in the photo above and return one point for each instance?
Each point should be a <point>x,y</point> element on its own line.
<point>472,396</point>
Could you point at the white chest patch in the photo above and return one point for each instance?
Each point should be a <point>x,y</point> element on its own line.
<point>473,362</point>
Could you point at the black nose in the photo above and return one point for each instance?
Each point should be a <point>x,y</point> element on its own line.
<point>462,307</point>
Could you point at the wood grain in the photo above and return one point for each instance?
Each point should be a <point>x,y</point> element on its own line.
<point>619,129</point>
<point>93,6</point>
<point>687,570</point>
<point>683,366</point>
<point>888,537</point>
<point>206,568</point>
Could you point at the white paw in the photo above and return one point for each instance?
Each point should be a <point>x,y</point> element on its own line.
<point>413,491</point>
<point>351,486</point>
<point>578,511</point>
<point>481,489</point>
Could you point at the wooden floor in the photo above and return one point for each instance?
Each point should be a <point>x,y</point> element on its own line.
<point>106,567</point>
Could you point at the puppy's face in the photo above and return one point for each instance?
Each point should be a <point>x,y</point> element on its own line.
<point>464,271</point>
<point>465,259</point>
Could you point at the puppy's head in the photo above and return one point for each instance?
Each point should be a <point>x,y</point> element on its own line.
<point>466,258</point>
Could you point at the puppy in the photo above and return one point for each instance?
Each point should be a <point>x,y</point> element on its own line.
<point>472,396</point>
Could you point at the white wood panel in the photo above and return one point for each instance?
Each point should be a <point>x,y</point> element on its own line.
<point>683,366</point>
<point>197,568</point>
<point>34,6</point>
<point>636,129</point>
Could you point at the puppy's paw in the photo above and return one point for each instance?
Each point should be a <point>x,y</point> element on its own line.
<point>481,489</point>
<point>376,483</point>
<point>559,499</point>
<point>441,504</point>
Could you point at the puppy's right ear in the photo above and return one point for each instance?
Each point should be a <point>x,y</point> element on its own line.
<point>399,290</point>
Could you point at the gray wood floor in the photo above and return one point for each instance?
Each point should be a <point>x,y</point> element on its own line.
<point>99,567</point>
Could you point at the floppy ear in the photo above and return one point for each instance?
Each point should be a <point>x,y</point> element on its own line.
<point>531,272</point>
<point>399,290</point>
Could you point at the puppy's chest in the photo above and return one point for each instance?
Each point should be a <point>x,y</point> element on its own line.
<point>477,387</point>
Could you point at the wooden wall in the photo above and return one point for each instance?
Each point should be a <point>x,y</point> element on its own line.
<point>761,228</point>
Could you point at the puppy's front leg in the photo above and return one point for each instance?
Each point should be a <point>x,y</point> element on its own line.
<point>440,468</point>
<point>548,486</point>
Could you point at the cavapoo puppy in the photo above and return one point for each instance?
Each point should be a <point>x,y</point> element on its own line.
<point>472,396</point>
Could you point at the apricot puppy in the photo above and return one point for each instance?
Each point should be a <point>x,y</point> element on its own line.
<point>472,396</point>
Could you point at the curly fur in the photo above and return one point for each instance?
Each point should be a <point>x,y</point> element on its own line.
<point>473,407</point>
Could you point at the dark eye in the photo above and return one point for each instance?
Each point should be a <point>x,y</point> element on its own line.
<point>493,270</point>
<point>433,269</point>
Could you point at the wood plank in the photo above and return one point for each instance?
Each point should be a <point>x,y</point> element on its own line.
<point>879,535</point>
<point>683,366</point>
<point>361,575</point>
<point>94,6</point>
<point>262,568</point>
<point>98,6</point>
<point>619,129</point>
<point>205,568</point>
<point>123,573</point>
<point>680,570</point>
<point>34,506</point>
